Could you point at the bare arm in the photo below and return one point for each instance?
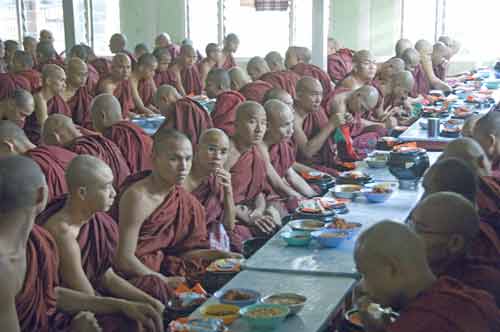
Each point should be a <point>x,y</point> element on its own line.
<point>229,218</point>
<point>139,104</point>
<point>178,81</point>
<point>299,183</point>
<point>204,69</point>
<point>40,109</point>
<point>435,82</point>
<point>8,313</point>
<point>309,147</point>
<point>301,168</point>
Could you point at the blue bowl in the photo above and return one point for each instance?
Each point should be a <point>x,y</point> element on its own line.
<point>267,319</point>
<point>296,238</point>
<point>330,238</point>
<point>352,232</point>
<point>377,197</point>
<point>253,297</point>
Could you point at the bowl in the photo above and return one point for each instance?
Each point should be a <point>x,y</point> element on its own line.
<point>330,238</point>
<point>353,227</point>
<point>306,225</point>
<point>493,84</point>
<point>294,302</point>
<point>240,297</point>
<point>373,162</point>
<point>226,312</point>
<point>376,197</point>
<point>296,238</point>
<point>349,191</point>
<point>353,177</point>
<point>264,316</point>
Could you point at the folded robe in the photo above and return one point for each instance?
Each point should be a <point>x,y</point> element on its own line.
<point>256,90</point>
<point>190,118</point>
<point>10,82</point>
<point>282,156</point>
<point>191,81</point>
<point>136,146</point>
<point>53,161</point>
<point>340,64</point>
<point>34,77</point>
<point>284,79</point>
<point>306,69</point>
<point>488,201</point>
<point>80,107</point>
<point>229,62</point>
<point>146,89</point>
<point>421,85</point>
<point>103,148</point>
<point>486,244</point>
<point>224,113</point>
<point>165,77</point>
<point>175,227</point>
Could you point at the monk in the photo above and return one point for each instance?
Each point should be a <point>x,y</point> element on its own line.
<point>10,82</point>
<point>297,59</point>
<point>210,183</point>
<point>118,83</point>
<point>364,69</point>
<point>163,40</point>
<point>401,46</point>
<point>397,103</point>
<point>162,226</point>
<point>469,125</point>
<point>143,84</point>
<point>188,79</point>
<point>440,57</point>
<point>61,131</point>
<point>255,217</point>
<point>412,63</point>
<point>3,64</point>
<point>101,64</point>
<point>132,141</point>
<point>253,91</point>
<point>19,107</point>
<point>46,54</point>
<point>162,74</point>
<point>313,131</point>
<point>452,44</point>
<point>22,68</point>
<point>118,44</point>
<point>231,43</point>
<point>29,46</point>
<point>218,86</point>
<point>487,133</point>
<point>424,47</point>
<point>396,274</point>
<point>386,72</point>
<point>213,60</point>
<point>48,100</point>
<point>275,61</point>
<point>279,77</point>
<point>82,52</point>
<point>76,94</point>
<point>11,46</point>
<point>140,49</point>
<point>256,67</point>
<point>339,61</point>
<point>182,113</point>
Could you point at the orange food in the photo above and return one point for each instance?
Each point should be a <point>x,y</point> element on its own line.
<point>381,190</point>
<point>340,223</point>
<point>355,318</point>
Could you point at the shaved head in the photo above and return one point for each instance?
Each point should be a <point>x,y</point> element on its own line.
<point>469,151</point>
<point>105,111</point>
<point>163,40</point>
<point>470,125</point>
<point>164,138</point>
<point>247,108</point>
<point>45,50</point>
<point>59,130</point>
<point>303,53</point>
<point>79,51</point>
<point>52,71</point>
<point>147,59</point>
<point>276,109</point>
<point>279,94</point>
<point>362,56</point>
<point>411,58</point>
<point>120,58</point>
<point>424,47</point>
<point>22,61</point>
<point>213,133</point>
<point>121,66</point>
<point>117,43</point>
<point>391,67</point>
<point>368,95</point>
<point>402,45</point>
<point>75,64</point>
<point>441,50</point>
<point>446,40</point>
<point>280,121</point>
<point>275,61</point>
<point>10,132</point>
<point>85,171</point>
<point>257,67</point>
<point>238,78</point>
<point>218,81</point>
<point>306,83</point>
<point>487,133</point>
<point>46,36</point>
<point>187,50</point>
<point>22,98</point>
<point>77,72</point>
<point>403,80</point>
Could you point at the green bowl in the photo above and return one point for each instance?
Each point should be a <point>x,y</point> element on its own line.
<point>296,238</point>
<point>264,321</point>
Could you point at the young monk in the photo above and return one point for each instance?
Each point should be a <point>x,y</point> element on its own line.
<point>364,69</point>
<point>218,86</point>
<point>134,143</point>
<point>256,67</point>
<point>231,43</point>
<point>46,55</point>
<point>163,40</point>
<point>118,44</point>
<point>275,73</point>
<point>413,64</point>
<point>29,46</point>
<point>186,72</point>
<point>162,74</point>
<point>19,108</point>
<point>82,52</point>
<point>76,94</point>
<point>22,66</point>
<point>339,61</point>
<point>456,222</point>
<point>253,91</point>
<point>140,49</point>
<point>440,58</point>
<point>401,46</point>
<point>275,61</point>
<point>487,133</point>
<point>10,47</point>
<point>425,49</point>
<point>396,101</point>
<point>118,84</point>
<point>210,183</point>
<point>213,60</point>
<point>10,82</point>
<point>143,84</point>
<point>396,274</point>
<point>59,130</point>
<point>162,226</point>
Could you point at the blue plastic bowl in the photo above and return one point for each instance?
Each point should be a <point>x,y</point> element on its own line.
<point>254,297</point>
<point>296,238</point>
<point>265,322</point>
<point>377,197</point>
<point>352,232</point>
<point>330,238</point>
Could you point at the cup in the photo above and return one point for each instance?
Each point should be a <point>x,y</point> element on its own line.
<point>433,127</point>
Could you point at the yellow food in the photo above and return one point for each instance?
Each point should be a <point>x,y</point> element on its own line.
<point>265,313</point>
<point>284,300</point>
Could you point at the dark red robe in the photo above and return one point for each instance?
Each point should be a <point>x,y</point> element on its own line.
<point>102,65</point>
<point>92,79</point>
<point>175,227</point>
<point>123,92</point>
<point>488,201</point>
<point>174,50</point>
<point>136,146</point>
<point>421,85</point>
<point>191,81</point>
<point>486,244</point>
<point>283,156</point>
<point>131,56</point>
<point>104,149</point>
<point>53,161</point>
<point>10,82</point>
<point>224,113</point>
<point>190,118</point>
<point>256,90</point>
<point>146,89</point>
<point>80,107</point>
<point>340,64</point>
<point>165,77</point>
<point>229,62</point>
<point>285,79</point>
<point>305,69</point>
<point>34,77</point>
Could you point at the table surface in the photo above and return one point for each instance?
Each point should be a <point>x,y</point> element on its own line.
<point>324,297</point>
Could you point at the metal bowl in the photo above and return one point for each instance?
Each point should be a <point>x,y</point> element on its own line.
<point>306,225</point>
<point>286,299</point>
<point>349,191</point>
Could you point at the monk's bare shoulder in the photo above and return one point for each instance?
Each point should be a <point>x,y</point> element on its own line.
<point>263,150</point>
<point>233,156</point>
<point>58,227</point>
<point>137,195</point>
<point>11,280</point>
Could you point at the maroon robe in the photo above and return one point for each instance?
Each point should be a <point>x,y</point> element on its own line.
<point>421,85</point>
<point>224,113</point>
<point>486,244</point>
<point>80,107</point>
<point>191,81</point>
<point>449,306</point>
<point>305,69</point>
<point>165,77</point>
<point>282,156</point>
<point>10,82</point>
<point>123,92</point>
<point>190,118</point>
<point>92,79</point>
<point>488,201</point>
<point>229,62</point>
<point>174,50</point>
<point>284,79</point>
<point>53,161</point>
<point>256,90</point>
<point>340,64</point>
<point>136,146</point>
<point>104,149</point>
<point>146,89</point>
<point>131,56</point>
<point>102,65</point>
<point>176,226</point>
<point>34,77</point>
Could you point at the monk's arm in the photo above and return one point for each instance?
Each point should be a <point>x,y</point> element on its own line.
<point>308,148</point>
<point>229,217</point>
<point>139,105</point>
<point>299,183</point>
<point>8,313</point>
<point>301,168</point>
<point>204,69</point>
<point>435,82</point>
<point>260,204</point>
<point>178,82</point>
<point>40,109</point>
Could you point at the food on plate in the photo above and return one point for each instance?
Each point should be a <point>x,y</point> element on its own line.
<point>265,312</point>
<point>236,295</point>
<point>354,175</point>
<point>340,223</point>
<point>381,189</point>
<point>285,300</point>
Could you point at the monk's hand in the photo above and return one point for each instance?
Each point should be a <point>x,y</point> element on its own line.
<point>348,118</point>
<point>145,314</point>
<point>224,178</point>
<point>373,320</point>
<point>337,120</point>
<point>85,321</point>
<point>264,224</point>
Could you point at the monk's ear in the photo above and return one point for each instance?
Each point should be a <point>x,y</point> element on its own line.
<point>82,193</point>
<point>8,146</point>
<point>456,243</point>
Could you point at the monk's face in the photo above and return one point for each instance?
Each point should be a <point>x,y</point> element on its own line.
<point>29,46</point>
<point>412,63</point>
<point>490,145</point>
<point>115,44</point>
<point>254,72</point>
<point>215,55</point>
<point>19,113</point>
<point>148,72</point>
<point>439,58</point>
<point>281,124</point>
<point>331,47</point>
<point>162,41</point>
<point>173,163</point>
<point>99,195</point>
<point>355,104</point>
<point>310,98</point>
<point>57,82</point>
<point>212,151</point>
<point>211,87</point>
<point>291,59</point>
<point>231,45</point>
<point>67,134</point>
<point>46,36</point>
<point>164,62</point>
<point>189,58</point>
<point>367,68</point>
<point>252,127</point>
<point>121,68</point>
<point>77,75</point>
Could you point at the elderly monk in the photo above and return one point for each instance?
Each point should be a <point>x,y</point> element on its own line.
<point>46,55</point>
<point>297,59</point>
<point>278,76</point>
<point>448,223</point>
<point>442,176</point>
<point>210,183</point>
<point>133,142</point>
<point>339,61</point>
<point>249,180</point>
<point>19,107</point>
<point>396,274</point>
<point>440,58</point>
<point>218,86</point>
<point>182,113</point>
<point>401,46</point>
<point>411,57</point>
<point>163,40</point>
<point>487,133</point>
<point>86,236</point>
<point>22,66</point>
<point>143,84</point>
<point>162,226</point>
<point>11,81</point>
<point>231,43</point>
<point>77,94</point>
<point>213,60</point>
<point>188,80</point>
<point>82,52</point>
<point>162,74</point>
<point>253,91</point>
<point>313,131</point>
<point>118,83</point>
<point>29,46</point>
<point>118,44</point>
<point>48,100</point>
<point>60,131</point>
<point>425,49</point>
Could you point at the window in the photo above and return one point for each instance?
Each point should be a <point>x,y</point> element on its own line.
<point>45,14</point>
<point>303,23</point>
<point>206,12</point>
<point>418,19</point>
<point>8,20</point>
<point>105,22</point>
